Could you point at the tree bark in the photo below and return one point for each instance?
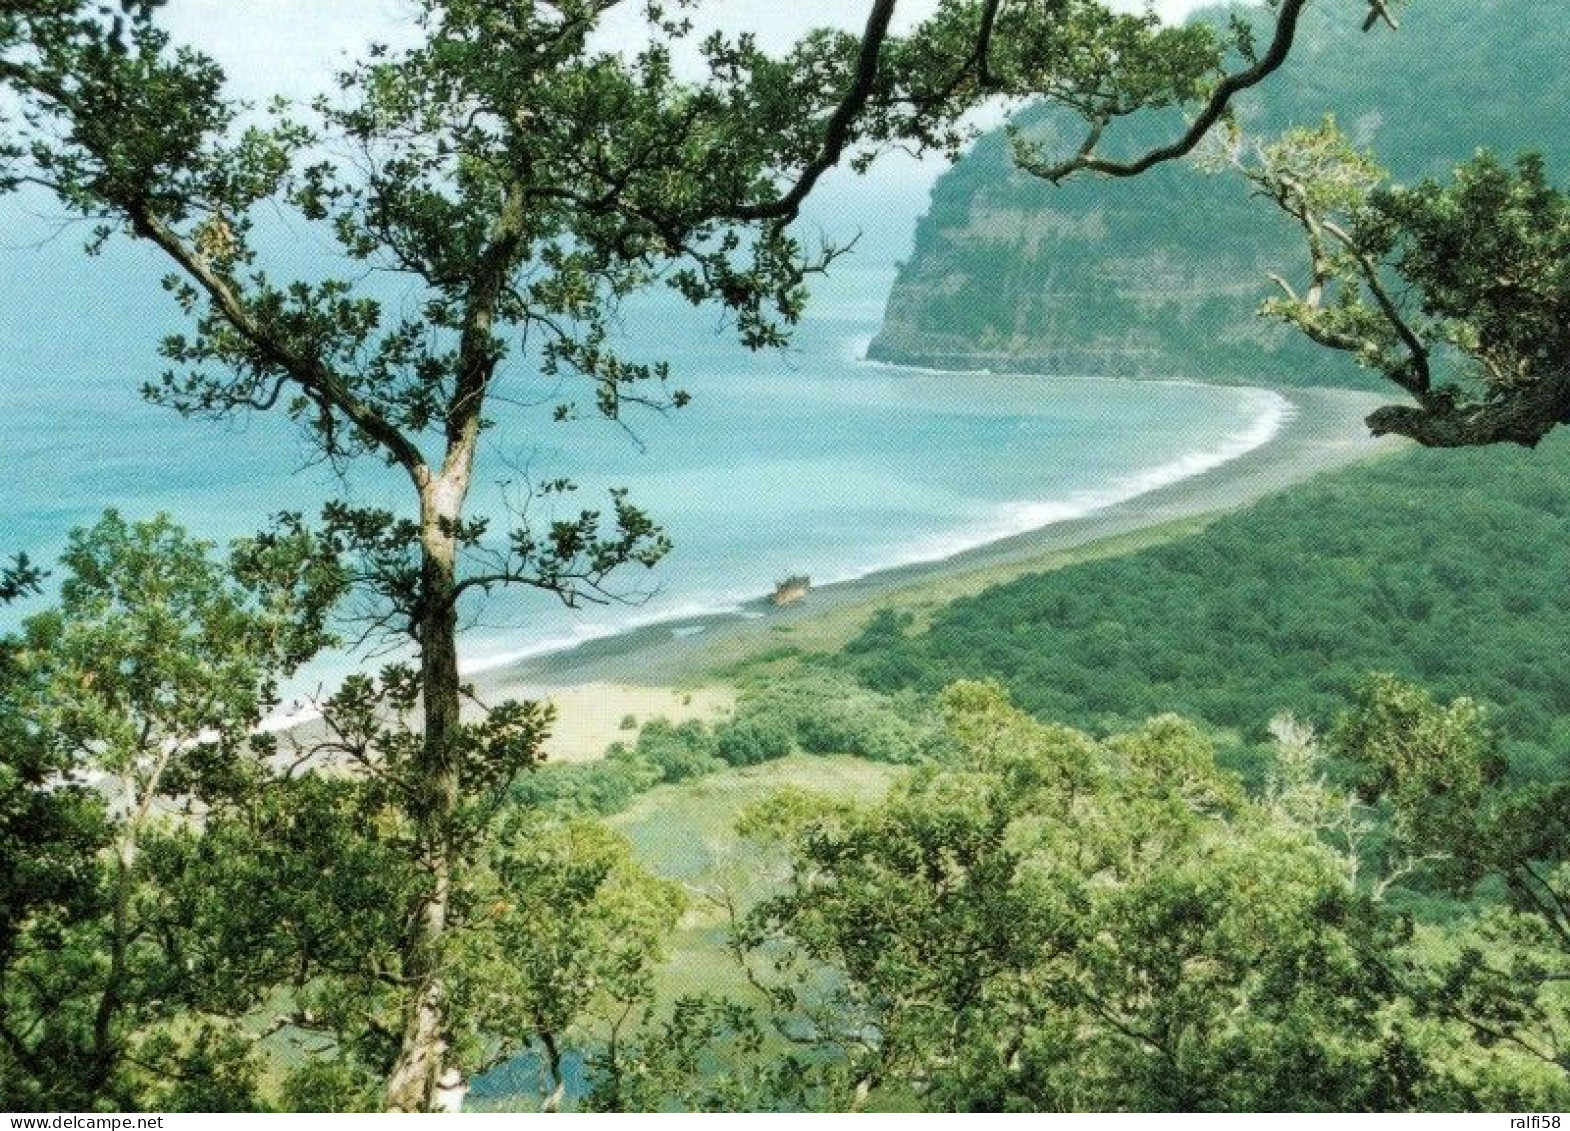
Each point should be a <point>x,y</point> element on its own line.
<point>1522,416</point>
<point>415,1083</point>
<point>416,1080</point>
<point>553,1067</point>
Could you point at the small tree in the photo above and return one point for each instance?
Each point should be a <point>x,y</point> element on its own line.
<point>1437,773</point>
<point>157,662</point>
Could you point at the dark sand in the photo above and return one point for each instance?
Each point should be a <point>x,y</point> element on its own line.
<point>1325,431</point>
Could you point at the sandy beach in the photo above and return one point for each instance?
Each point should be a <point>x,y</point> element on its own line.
<point>677,669</point>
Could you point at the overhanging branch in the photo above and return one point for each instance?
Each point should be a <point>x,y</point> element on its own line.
<point>1215,106</point>
<point>837,134</point>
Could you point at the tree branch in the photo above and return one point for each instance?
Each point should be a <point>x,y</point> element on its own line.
<point>1215,106</point>
<point>837,134</point>
<point>310,373</point>
<point>1445,422</point>
<point>1421,383</point>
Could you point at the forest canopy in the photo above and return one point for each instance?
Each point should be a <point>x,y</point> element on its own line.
<point>1446,568</point>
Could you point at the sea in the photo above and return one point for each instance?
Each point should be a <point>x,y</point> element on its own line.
<point>806,460</point>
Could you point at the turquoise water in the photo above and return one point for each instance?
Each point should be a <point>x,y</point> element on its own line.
<point>807,461</point>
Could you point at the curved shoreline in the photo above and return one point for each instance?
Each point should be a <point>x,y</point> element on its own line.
<point>1322,430</point>
<point>1011,520</point>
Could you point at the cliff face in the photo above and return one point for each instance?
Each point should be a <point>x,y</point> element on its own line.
<point>1161,276</point>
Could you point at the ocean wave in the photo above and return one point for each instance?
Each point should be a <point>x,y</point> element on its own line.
<point>584,634</point>
<point>1012,519</point>
<point>1007,520</point>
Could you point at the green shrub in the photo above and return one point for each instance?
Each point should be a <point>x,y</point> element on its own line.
<point>829,713</point>
<point>678,750</point>
<point>587,788</point>
<point>753,739</point>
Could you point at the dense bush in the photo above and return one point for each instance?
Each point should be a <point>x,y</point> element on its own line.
<point>677,750</point>
<point>752,739</point>
<point>817,712</point>
<point>1451,569</point>
<point>586,788</point>
<point>830,713</point>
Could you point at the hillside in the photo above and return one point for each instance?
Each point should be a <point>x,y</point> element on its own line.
<point>1445,568</point>
<point>1160,276</point>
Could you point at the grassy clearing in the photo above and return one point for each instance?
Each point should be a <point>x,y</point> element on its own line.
<point>686,832</point>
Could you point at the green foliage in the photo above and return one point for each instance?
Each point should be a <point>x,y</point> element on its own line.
<point>325,1085</point>
<point>588,788</point>
<point>566,929</point>
<point>1445,568</point>
<point>301,887</point>
<point>678,751</point>
<point>152,671</point>
<point>18,578</point>
<point>1457,293</point>
<point>143,953</point>
<point>752,739</point>
<point>1049,922</point>
<point>824,713</point>
<point>1434,768</point>
<point>705,1056</point>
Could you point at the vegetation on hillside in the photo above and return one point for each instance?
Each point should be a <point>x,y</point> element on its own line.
<point>1017,915</point>
<point>520,180</point>
<point>1043,921</point>
<point>1446,568</point>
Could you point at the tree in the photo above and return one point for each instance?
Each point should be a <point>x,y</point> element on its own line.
<point>1457,293</point>
<point>522,182</point>
<point>179,886</point>
<point>301,886</point>
<point>572,925</point>
<point>1435,769</point>
<point>1049,922</point>
<point>19,578</point>
<point>526,183</point>
<point>158,662</point>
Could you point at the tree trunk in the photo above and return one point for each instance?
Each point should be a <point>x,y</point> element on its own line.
<point>553,1067</point>
<point>417,1080</point>
<point>417,1077</point>
<point>110,1001</point>
<point>140,796</point>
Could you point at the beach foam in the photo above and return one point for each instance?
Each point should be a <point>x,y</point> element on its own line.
<point>1024,516</point>
<point>1007,520</point>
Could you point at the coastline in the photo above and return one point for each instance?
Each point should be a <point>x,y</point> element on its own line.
<point>1023,512</point>
<point>595,680</point>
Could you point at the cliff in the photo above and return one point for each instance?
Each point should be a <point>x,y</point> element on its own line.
<point>1161,276</point>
